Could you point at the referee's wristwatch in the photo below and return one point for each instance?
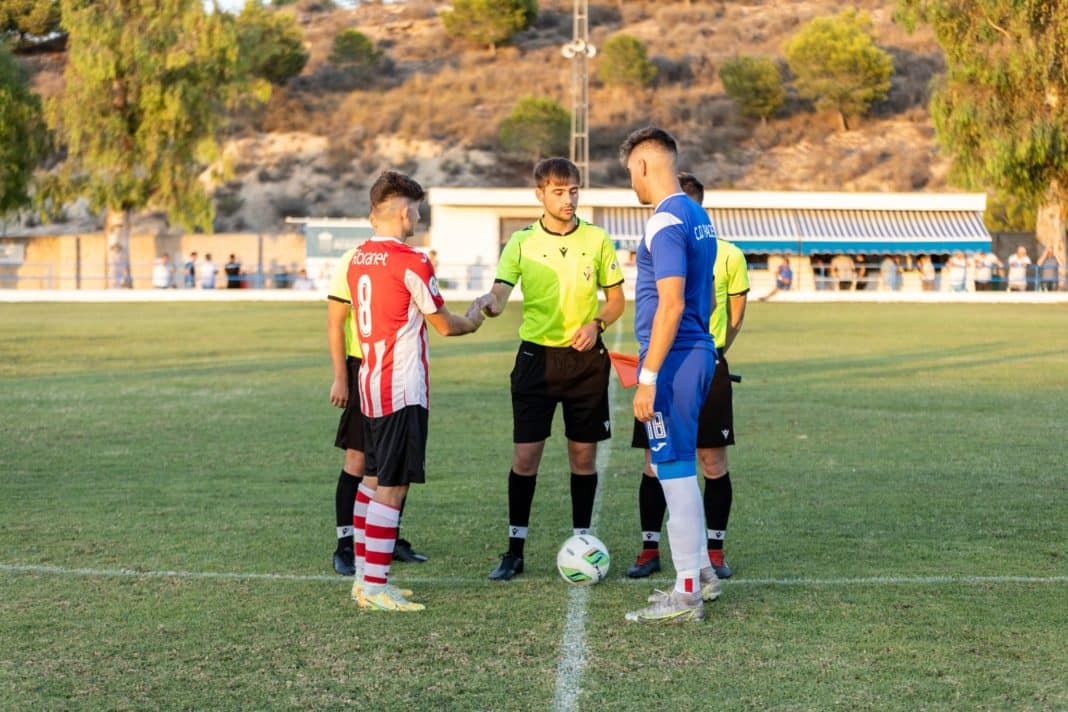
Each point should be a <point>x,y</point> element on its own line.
<point>601,325</point>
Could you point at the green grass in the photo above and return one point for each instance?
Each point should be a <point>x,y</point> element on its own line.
<point>875,441</point>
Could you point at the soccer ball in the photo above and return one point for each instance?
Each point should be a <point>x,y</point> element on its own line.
<point>583,560</point>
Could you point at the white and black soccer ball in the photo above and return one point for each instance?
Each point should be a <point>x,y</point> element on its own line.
<point>583,560</point>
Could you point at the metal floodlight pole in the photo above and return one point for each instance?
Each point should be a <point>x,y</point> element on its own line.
<point>578,50</point>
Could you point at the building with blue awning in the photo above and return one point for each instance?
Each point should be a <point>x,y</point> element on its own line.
<point>474,223</point>
<point>776,223</point>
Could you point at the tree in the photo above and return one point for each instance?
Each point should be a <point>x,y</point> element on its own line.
<point>837,65</point>
<point>22,18</point>
<point>1001,110</point>
<point>352,48</point>
<point>147,87</point>
<point>537,126</point>
<point>755,85</point>
<point>489,22</point>
<point>271,43</point>
<point>623,62</point>
<point>23,135</point>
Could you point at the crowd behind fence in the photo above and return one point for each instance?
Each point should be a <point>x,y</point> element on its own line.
<point>478,276</point>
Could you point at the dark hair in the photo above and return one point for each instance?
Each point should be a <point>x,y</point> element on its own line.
<point>555,170</point>
<point>391,184</point>
<point>692,187</point>
<point>652,134</point>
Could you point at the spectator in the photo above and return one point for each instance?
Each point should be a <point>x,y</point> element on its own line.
<point>233,272</point>
<point>163,273</point>
<point>1018,266</point>
<point>784,277</point>
<point>862,273</point>
<point>282,278</point>
<point>890,272</point>
<point>820,271</point>
<point>189,270</point>
<point>304,283</point>
<point>958,272</point>
<point>927,273</point>
<point>208,270</point>
<point>843,271</point>
<point>1048,271</point>
<point>984,265</point>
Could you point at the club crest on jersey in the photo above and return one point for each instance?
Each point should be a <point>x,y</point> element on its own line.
<point>434,286</point>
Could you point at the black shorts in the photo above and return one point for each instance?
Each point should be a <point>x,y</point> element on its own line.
<point>395,450</point>
<point>350,426</point>
<point>544,376</point>
<point>715,425</point>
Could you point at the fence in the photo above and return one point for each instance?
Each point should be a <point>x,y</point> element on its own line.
<point>477,278</point>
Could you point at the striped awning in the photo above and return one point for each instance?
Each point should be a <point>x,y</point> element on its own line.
<point>807,232</point>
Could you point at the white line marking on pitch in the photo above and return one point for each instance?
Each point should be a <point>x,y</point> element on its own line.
<point>962,580</point>
<point>573,640</point>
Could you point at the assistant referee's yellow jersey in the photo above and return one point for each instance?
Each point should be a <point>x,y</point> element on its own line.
<point>732,278</point>
<point>339,291</point>
<point>561,276</point>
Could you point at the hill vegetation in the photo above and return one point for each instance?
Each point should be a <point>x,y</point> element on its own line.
<point>433,105</point>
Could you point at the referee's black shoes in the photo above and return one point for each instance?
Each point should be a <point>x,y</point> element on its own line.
<point>344,562</point>
<point>403,551</point>
<point>510,566</point>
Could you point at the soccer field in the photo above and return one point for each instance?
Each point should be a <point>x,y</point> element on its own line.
<point>167,477</point>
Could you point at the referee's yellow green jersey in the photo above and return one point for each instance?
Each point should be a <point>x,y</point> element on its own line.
<point>339,291</point>
<point>561,276</point>
<point>732,279</point>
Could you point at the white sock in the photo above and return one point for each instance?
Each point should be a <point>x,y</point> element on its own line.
<point>686,531</point>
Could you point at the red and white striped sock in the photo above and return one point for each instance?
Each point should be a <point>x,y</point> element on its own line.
<point>382,524</point>
<point>364,494</point>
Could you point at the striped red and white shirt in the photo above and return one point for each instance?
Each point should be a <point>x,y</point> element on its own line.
<point>392,287</point>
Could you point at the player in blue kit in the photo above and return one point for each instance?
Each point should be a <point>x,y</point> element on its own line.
<point>674,298</point>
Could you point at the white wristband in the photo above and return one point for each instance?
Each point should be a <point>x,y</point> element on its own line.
<point>647,377</point>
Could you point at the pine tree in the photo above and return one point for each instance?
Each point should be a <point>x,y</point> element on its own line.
<point>837,65</point>
<point>537,126</point>
<point>623,62</point>
<point>489,22</point>
<point>755,85</point>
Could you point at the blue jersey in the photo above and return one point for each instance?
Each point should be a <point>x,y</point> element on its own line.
<point>679,241</point>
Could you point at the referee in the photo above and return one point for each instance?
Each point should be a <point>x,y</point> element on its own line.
<point>563,263</point>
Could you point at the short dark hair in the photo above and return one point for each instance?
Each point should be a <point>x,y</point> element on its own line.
<point>555,170</point>
<point>692,187</point>
<point>659,136</point>
<point>391,184</point>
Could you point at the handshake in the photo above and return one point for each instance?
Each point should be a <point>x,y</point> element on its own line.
<point>486,305</point>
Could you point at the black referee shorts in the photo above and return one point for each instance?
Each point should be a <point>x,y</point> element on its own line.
<point>350,426</point>
<point>715,425</point>
<point>544,376</point>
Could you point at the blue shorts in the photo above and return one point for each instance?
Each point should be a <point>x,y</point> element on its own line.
<point>683,381</point>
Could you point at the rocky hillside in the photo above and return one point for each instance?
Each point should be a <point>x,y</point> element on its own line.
<point>434,108</point>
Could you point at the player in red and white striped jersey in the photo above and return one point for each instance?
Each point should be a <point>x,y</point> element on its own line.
<point>394,295</point>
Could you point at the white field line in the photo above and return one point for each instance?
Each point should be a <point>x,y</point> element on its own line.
<point>573,641</point>
<point>843,582</point>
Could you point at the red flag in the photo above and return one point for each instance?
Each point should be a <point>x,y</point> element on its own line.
<point>626,368</point>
